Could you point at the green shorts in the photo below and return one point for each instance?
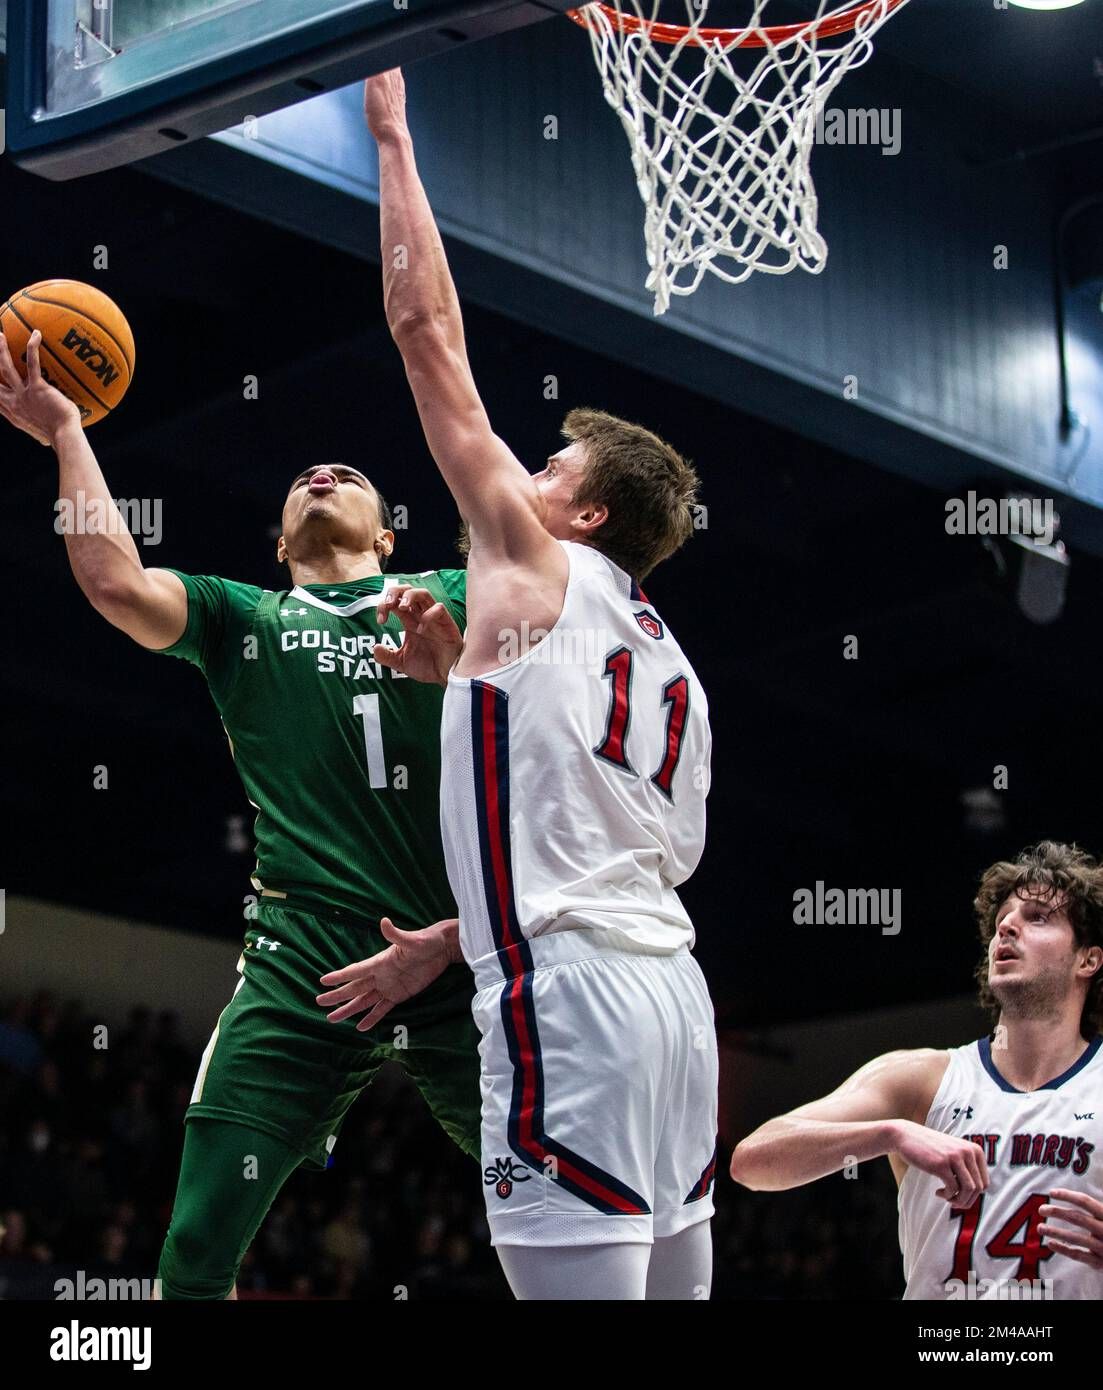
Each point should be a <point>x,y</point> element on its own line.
<point>274,1063</point>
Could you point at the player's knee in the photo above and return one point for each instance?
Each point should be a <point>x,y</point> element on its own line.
<point>195,1263</point>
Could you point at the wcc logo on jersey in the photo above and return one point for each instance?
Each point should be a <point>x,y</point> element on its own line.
<point>503,1175</point>
<point>650,624</point>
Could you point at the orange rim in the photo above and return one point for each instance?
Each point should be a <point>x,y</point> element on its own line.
<point>747,38</point>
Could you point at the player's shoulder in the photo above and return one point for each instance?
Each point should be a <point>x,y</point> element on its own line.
<point>914,1074</point>
<point>914,1061</point>
<point>216,588</point>
<point>452,580</point>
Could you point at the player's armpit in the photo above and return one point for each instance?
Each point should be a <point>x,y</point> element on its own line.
<point>149,605</point>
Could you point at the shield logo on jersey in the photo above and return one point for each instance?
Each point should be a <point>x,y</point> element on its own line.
<point>650,624</point>
<point>504,1174</point>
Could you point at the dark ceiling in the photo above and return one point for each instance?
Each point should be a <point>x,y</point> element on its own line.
<point>1044,67</point>
<point>847,771</point>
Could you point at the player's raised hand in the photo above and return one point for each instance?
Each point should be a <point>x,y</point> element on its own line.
<point>432,642</point>
<point>33,406</point>
<point>413,960</point>
<point>1085,1214</point>
<point>958,1163</point>
<point>385,103</point>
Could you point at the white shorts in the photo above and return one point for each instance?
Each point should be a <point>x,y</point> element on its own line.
<point>599,1093</point>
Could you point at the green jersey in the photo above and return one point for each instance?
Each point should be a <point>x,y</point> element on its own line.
<point>339,755</point>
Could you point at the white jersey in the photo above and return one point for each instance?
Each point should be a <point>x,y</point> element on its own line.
<point>574,777</point>
<point>1033,1142</point>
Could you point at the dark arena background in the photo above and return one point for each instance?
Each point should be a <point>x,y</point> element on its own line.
<point>894,705</point>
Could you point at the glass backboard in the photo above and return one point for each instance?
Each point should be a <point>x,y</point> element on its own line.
<point>97,83</point>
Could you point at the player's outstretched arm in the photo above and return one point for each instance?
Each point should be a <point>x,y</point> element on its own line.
<point>495,494</point>
<point>149,605</point>
<point>876,1112</point>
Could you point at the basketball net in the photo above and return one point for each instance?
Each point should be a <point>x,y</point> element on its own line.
<point>722,123</point>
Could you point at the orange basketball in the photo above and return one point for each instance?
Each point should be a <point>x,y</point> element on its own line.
<point>87,348</point>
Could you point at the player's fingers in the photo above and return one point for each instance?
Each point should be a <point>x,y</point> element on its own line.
<point>8,371</point>
<point>1070,1240</point>
<point>953,1173</point>
<point>347,972</point>
<point>387,656</point>
<point>951,1183</point>
<point>1078,1218</point>
<point>415,597</point>
<point>1084,1239</point>
<point>390,597</point>
<point>968,1190</point>
<point>1090,1204</point>
<point>354,1006</point>
<point>436,616</point>
<point>34,371</point>
<point>978,1169</point>
<point>1074,1252</point>
<point>360,985</point>
<point>381,1009</point>
<point>395,935</point>
<point>969,1186</point>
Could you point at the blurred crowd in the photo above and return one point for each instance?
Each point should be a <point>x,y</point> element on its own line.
<point>90,1139</point>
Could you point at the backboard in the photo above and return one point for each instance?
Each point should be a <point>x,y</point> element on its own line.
<point>97,83</point>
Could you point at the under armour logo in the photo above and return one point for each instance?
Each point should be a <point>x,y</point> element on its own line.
<point>289,612</point>
<point>264,941</point>
<point>966,1110</point>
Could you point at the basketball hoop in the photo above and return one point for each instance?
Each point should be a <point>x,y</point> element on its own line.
<point>725,177</point>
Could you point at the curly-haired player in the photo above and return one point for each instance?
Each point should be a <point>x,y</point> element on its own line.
<point>996,1146</point>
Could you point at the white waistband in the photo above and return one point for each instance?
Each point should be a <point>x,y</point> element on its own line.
<point>557,948</point>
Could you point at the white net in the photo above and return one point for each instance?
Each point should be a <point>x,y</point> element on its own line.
<point>722,132</point>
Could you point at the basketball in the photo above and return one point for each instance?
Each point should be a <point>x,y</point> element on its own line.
<point>87,348</point>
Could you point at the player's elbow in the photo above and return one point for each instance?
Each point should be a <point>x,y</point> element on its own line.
<point>417,330</point>
<point>753,1166</point>
<point>114,595</point>
<point>743,1165</point>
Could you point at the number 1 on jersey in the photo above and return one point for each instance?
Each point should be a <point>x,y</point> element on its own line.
<point>675,695</point>
<point>367,707</point>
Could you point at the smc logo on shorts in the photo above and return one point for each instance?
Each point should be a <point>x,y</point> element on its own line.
<point>503,1175</point>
